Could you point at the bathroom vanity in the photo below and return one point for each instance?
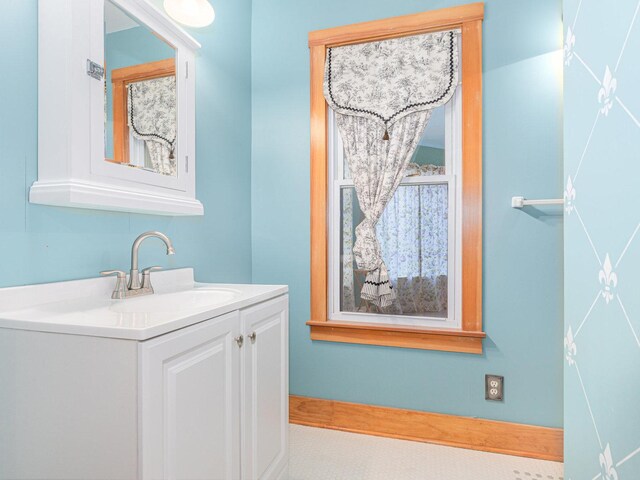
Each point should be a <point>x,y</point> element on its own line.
<point>188,383</point>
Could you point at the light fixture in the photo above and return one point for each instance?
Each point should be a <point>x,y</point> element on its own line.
<point>193,13</point>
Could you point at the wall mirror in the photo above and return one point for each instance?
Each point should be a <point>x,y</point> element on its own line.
<point>140,95</point>
<point>116,108</point>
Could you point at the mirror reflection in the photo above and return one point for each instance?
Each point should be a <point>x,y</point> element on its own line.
<point>140,95</point>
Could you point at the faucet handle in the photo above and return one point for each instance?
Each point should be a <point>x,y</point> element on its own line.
<point>119,292</point>
<point>146,276</point>
<point>119,273</point>
<point>148,270</point>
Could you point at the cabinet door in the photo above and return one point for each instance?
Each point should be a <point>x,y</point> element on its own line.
<point>265,390</point>
<point>190,417</point>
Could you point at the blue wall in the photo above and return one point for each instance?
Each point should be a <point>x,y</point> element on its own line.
<point>602,263</point>
<point>41,243</point>
<point>522,250</point>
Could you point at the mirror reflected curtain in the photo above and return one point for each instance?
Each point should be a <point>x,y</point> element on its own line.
<point>140,95</point>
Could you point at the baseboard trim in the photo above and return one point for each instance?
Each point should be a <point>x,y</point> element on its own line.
<point>521,440</point>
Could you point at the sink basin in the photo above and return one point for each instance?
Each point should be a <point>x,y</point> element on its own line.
<point>176,302</point>
<point>85,307</point>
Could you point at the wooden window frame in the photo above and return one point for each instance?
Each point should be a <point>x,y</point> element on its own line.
<point>467,339</point>
<point>120,79</point>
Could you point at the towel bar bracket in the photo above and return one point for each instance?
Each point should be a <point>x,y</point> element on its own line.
<point>520,202</point>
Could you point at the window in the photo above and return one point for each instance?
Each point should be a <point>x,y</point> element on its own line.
<point>430,233</point>
<point>419,231</point>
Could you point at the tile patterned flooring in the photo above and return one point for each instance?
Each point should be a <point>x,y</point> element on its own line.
<point>320,454</point>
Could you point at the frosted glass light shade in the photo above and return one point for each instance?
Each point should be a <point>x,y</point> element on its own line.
<point>193,13</point>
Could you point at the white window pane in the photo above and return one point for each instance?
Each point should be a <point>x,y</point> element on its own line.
<point>414,238</point>
<point>137,151</point>
<point>429,157</point>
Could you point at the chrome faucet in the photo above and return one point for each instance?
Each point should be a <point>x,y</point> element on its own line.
<point>134,288</point>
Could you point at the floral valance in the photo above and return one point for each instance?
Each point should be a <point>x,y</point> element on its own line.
<point>152,118</point>
<point>389,79</point>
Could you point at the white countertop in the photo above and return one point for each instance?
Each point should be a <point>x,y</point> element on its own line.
<point>84,307</point>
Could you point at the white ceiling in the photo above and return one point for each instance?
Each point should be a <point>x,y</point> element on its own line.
<point>116,20</point>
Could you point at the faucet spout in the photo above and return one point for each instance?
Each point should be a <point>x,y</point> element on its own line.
<point>134,276</point>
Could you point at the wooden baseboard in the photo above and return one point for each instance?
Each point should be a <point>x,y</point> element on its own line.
<point>465,432</point>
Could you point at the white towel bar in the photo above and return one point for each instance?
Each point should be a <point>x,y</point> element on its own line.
<point>519,202</point>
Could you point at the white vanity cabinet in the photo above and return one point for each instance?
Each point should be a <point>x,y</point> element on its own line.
<point>214,401</point>
<point>190,402</point>
<point>265,385</point>
<point>126,390</point>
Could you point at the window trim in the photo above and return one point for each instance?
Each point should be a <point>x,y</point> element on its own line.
<point>468,338</point>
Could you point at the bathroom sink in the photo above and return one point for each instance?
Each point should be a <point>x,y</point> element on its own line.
<point>176,302</point>
<point>85,307</point>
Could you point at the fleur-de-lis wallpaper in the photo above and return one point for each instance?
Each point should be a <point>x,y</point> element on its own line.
<point>569,196</point>
<point>608,471</point>
<point>608,279</point>
<point>570,347</point>
<point>569,43</point>
<point>606,92</point>
<point>602,243</point>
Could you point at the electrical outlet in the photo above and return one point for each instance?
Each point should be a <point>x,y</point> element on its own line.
<point>493,387</point>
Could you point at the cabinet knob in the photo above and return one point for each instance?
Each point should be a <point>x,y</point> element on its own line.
<point>239,340</point>
<point>252,337</point>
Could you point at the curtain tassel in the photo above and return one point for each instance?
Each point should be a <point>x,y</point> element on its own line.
<point>386,134</point>
<point>171,156</point>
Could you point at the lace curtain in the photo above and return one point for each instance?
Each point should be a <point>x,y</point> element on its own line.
<point>382,94</point>
<point>413,237</point>
<point>152,118</point>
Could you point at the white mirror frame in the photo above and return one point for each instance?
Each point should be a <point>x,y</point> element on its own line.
<point>72,171</point>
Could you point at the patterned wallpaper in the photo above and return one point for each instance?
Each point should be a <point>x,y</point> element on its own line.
<point>602,245</point>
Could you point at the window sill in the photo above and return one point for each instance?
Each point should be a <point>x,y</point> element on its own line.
<point>423,338</point>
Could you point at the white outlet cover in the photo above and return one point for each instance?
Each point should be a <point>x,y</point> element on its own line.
<point>494,388</point>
